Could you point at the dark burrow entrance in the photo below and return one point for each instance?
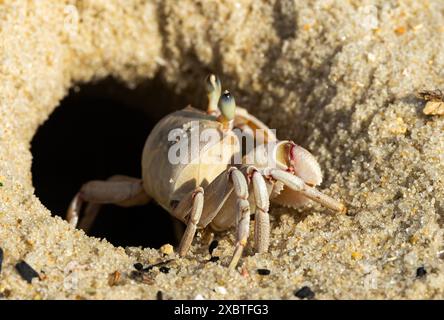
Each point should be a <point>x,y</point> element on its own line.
<point>97,131</point>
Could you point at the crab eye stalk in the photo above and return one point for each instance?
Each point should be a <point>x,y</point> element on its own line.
<point>213,87</point>
<point>227,106</point>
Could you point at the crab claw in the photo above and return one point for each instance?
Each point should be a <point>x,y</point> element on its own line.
<point>304,164</point>
<point>299,161</point>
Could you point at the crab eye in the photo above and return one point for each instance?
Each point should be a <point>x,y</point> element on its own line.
<point>227,105</point>
<point>213,87</point>
<point>212,83</point>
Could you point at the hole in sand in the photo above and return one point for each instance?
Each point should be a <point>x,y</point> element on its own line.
<point>97,131</point>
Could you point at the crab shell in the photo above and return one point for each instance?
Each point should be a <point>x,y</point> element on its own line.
<point>168,182</point>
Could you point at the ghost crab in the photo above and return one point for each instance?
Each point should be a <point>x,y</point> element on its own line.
<point>215,194</point>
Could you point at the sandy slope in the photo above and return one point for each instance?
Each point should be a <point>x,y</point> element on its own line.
<point>338,77</point>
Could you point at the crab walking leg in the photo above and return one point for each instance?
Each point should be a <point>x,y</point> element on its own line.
<point>92,209</point>
<point>297,184</point>
<point>242,214</point>
<point>262,219</point>
<point>196,211</point>
<point>89,216</point>
<point>120,190</point>
<point>73,212</point>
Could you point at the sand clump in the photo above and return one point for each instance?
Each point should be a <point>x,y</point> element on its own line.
<point>337,77</point>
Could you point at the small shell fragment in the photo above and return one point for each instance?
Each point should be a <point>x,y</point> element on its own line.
<point>356,255</point>
<point>114,278</point>
<point>434,108</point>
<point>435,101</point>
<point>245,272</point>
<point>221,290</point>
<point>167,249</point>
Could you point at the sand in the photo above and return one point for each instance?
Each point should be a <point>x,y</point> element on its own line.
<point>337,77</point>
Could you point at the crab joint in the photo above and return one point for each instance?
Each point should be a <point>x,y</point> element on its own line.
<point>213,88</point>
<point>227,106</point>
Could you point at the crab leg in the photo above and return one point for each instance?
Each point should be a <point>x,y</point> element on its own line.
<point>262,219</point>
<point>197,200</point>
<point>121,190</point>
<point>297,184</point>
<point>242,215</point>
<point>73,212</point>
<point>90,214</point>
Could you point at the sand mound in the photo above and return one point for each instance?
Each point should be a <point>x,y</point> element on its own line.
<point>335,77</point>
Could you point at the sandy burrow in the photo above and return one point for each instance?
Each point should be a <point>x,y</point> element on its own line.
<point>338,77</point>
